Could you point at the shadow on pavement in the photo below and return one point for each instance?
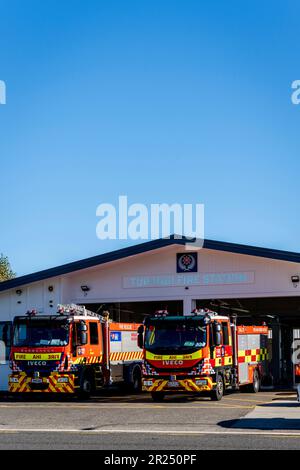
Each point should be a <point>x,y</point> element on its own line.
<point>262,424</point>
<point>286,404</point>
<point>111,396</point>
<point>119,395</point>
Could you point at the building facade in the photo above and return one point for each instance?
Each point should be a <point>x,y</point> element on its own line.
<point>256,284</point>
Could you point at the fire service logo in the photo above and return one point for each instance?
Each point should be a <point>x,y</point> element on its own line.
<point>187,263</point>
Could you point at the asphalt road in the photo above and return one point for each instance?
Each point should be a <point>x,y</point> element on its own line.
<point>63,441</point>
<point>129,422</point>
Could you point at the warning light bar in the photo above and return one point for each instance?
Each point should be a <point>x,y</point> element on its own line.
<point>161,313</point>
<point>203,311</point>
<point>31,313</point>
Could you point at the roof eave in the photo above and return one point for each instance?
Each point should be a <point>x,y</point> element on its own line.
<point>144,248</point>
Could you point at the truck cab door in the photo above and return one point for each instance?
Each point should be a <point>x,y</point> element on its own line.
<point>95,347</point>
<point>75,338</point>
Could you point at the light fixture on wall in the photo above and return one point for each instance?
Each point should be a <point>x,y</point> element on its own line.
<point>19,291</point>
<point>85,289</point>
<point>50,288</point>
<point>295,280</point>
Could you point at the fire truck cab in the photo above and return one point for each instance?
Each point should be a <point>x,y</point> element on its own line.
<point>73,351</point>
<point>202,352</point>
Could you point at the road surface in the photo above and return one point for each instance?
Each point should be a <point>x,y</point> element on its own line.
<point>117,421</point>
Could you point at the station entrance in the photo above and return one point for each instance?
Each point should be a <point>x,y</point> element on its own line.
<point>136,311</point>
<point>280,314</point>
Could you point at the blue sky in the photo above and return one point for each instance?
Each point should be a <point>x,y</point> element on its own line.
<point>163,101</point>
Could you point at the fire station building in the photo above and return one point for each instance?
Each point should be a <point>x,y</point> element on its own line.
<point>258,285</point>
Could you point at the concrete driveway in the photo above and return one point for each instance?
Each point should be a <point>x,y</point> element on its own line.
<point>119,421</point>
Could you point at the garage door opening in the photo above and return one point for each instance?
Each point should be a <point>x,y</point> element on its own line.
<point>282,315</point>
<point>136,311</point>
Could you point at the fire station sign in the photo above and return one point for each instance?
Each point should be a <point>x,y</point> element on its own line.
<point>182,280</point>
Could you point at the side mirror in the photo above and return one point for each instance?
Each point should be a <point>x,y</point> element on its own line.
<point>217,334</point>
<point>83,326</point>
<point>140,337</point>
<point>83,338</point>
<point>218,339</point>
<point>83,333</point>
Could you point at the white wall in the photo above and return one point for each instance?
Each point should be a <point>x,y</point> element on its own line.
<point>33,296</point>
<point>266,278</point>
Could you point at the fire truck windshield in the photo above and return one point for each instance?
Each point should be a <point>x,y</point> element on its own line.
<point>175,336</point>
<point>40,333</point>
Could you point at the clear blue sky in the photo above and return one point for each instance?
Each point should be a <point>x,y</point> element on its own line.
<point>165,101</point>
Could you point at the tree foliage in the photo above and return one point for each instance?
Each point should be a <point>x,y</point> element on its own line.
<point>6,272</point>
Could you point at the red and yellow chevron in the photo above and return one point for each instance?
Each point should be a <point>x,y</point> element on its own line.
<point>21,383</point>
<point>88,360</point>
<point>126,356</point>
<point>184,385</point>
<point>114,356</point>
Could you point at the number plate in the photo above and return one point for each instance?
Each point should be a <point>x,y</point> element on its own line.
<point>173,384</point>
<point>36,381</point>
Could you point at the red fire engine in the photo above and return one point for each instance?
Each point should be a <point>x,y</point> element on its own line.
<point>74,351</point>
<point>201,352</point>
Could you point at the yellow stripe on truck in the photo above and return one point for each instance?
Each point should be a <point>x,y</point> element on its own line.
<point>126,356</point>
<point>184,357</point>
<point>37,357</point>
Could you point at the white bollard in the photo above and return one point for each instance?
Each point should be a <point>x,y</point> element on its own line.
<point>2,353</point>
<point>298,392</point>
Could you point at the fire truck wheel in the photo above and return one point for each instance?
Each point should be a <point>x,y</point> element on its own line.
<point>218,392</point>
<point>255,386</point>
<point>157,396</point>
<point>85,386</point>
<point>137,380</point>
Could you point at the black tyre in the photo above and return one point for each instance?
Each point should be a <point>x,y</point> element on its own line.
<point>218,392</point>
<point>86,386</point>
<point>255,386</point>
<point>137,380</point>
<point>157,396</point>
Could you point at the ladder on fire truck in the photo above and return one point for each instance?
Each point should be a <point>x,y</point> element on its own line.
<point>81,311</point>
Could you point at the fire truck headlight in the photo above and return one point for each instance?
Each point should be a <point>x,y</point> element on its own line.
<point>14,380</point>
<point>63,380</point>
